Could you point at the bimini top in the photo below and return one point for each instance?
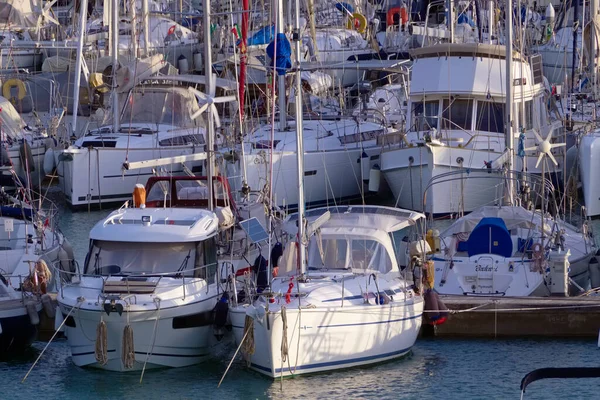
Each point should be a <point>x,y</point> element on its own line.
<point>387,219</point>
<point>464,50</point>
<point>164,225</point>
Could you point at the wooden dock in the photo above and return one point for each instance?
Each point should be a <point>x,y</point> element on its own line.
<point>520,317</point>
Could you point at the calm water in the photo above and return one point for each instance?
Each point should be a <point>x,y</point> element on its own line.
<point>437,368</point>
<point>443,369</point>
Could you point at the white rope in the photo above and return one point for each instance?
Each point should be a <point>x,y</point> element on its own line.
<point>151,349</point>
<point>50,341</point>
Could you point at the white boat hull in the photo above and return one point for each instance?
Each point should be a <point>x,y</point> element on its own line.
<point>156,344</point>
<point>318,338</point>
<point>83,184</point>
<point>329,176</point>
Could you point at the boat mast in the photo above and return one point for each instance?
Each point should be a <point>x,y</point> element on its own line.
<point>593,55</point>
<point>82,22</point>
<point>281,78</point>
<point>146,26</point>
<point>576,28</point>
<point>210,122</point>
<point>299,139</point>
<point>114,27</point>
<point>508,112</point>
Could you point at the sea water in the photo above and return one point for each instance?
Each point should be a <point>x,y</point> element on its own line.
<point>436,368</point>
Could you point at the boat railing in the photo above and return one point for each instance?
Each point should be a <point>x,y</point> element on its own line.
<point>132,285</point>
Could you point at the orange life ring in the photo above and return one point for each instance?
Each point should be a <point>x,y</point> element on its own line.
<point>390,15</point>
<point>402,13</point>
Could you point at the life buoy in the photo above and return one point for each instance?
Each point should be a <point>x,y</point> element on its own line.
<point>7,89</point>
<point>390,15</point>
<point>357,22</point>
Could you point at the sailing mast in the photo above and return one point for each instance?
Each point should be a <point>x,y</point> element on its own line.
<point>210,122</point>
<point>281,78</point>
<point>299,139</point>
<point>82,26</point>
<point>114,27</point>
<point>593,55</point>
<point>508,112</point>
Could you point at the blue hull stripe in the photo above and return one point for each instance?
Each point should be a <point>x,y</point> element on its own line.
<point>172,355</point>
<point>371,323</point>
<point>89,353</point>
<point>335,363</point>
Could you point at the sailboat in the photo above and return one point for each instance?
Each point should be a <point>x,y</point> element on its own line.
<point>34,255</point>
<point>339,302</point>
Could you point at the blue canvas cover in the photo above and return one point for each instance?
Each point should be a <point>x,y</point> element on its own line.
<point>490,236</point>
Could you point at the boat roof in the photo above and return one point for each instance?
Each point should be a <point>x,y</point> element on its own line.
<point>387,219</point>
<point>464,50</point>
<point>166,225</point>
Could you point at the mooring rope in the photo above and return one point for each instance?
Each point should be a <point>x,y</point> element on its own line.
<point>151,349</point>
<point>79,301</point>
<point>101,351</point>
<point>284,341</point>
<point>128,348</point>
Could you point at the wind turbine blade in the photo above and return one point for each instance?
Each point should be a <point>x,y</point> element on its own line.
<point>539,159</point>
<point>537,136</point>
<point>224,99</point>
<point>554,145</point>
<point>530,148</point>
<point>215,114</point>
<point>213,85</point>
<point>552,158</point>
<point>200,111</point>
<point>50,18</point>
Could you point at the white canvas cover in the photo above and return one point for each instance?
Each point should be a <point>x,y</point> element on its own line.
<point>10,120</point>
<point>513,217</point>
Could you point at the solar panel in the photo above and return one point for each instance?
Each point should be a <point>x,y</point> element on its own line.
<point>254,230</point>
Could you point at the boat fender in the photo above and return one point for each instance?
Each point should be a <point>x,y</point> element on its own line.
<point>260,270</point>
<point>435,311</point>
<point>49,161</point>
<point>594,270</point>
<point>374,178</point>
<point>48,306</point>
<point>357,22</point>
<point>58,321</point>
<point>365,166</point>
<point>221,313</point>
<point>276,253</point>
<point>34,318</point>
<point>26,156</point>
<point>183,65</point>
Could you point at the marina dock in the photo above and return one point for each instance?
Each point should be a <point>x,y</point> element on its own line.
<point>536,317</point>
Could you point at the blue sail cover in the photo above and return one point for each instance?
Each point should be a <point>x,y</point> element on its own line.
<point>490,236</point>
<point>344,7</point>
<point>263,36</point>
<point>282,60</point>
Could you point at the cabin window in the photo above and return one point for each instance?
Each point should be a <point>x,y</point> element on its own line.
<point>332,254</point>
<point>490,117</point>
<point>369,255</point>
<point>457,114</point>
<point>528,115</point>
<point>205,263</point>
<point>425,115</point>
<point>183,140</point>
<point>140,258</point>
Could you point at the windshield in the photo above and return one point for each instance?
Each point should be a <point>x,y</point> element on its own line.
<point>359,255</point>
<point>171,107</point>
<point>143,258</point>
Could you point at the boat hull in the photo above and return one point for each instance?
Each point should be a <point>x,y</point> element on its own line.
<point>173,337</point>
<point>318,338</point>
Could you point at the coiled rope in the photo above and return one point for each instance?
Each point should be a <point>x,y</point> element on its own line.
<point>128,348</point>
<point>101,352</point>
